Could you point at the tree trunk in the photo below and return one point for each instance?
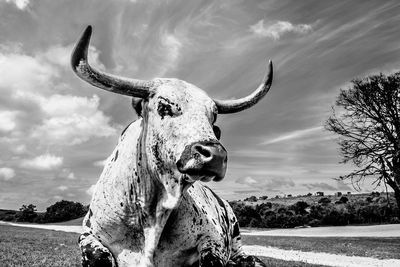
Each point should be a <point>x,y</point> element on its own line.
<point>397,196</point>
<point>396,189</point>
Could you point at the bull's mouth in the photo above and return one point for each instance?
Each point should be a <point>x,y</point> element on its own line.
<point>203,161</point>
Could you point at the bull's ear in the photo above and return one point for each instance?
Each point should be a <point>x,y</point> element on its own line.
<point>137,105</point>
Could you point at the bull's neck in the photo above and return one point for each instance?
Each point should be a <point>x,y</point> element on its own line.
<point>153,189</point>
<point>153,194</point>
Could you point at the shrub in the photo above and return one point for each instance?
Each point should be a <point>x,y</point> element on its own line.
<point>344,199</point>
<point>324,200</point>
<point>251,199</point>
<point>27,213</point>
<point>300,207</point>
<point>63,211</point>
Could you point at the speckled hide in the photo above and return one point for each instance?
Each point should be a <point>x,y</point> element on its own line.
<point>144,211</point>
<point>149,207</point>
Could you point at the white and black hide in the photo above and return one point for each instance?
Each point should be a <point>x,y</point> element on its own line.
<point>150,206</point>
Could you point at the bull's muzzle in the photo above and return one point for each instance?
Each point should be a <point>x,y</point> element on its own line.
<point>203,161</point>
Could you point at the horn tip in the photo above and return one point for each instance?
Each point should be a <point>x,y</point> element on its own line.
<point>85,38</point>
<point>268,76</point>
<point>80,51</point>
<point>88,30</point>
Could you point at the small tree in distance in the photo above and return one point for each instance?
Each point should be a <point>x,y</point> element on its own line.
<point>28,213</point>
<point>368,123</point>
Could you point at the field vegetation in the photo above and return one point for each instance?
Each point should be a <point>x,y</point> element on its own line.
<point>60,211</point>
<point>311,210</point>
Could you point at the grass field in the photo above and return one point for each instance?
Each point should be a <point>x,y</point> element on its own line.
<point>381,248</point>
<point>20,246</point>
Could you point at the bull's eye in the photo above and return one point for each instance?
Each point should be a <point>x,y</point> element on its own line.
<point>167,108</point>
<point>217,131</point>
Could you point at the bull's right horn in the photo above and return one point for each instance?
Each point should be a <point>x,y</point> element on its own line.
<point>236,105</point>
<point>112,83</point>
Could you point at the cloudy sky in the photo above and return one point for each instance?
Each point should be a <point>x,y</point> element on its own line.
<point>55,130</point>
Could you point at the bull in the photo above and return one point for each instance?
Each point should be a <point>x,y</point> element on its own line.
<point>149,207</point>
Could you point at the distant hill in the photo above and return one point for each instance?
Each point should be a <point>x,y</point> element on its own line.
<point>313,199</point>
<point>6,213</point>
<point>311,210</point>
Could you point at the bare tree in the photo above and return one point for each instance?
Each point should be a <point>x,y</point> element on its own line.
<point>367,119</point>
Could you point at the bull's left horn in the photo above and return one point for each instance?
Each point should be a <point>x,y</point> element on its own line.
<point>112,83</point>
<point>232,106</point>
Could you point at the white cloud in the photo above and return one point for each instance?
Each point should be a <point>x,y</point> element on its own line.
<point>100,163</point>
<point>34,76</point>
<point>66,174</point>
<point>71,120</point>
<point>25,73</point>
<point>170,51</point>
<point>19,149</point>
<point>90,191</point>
<point>62,187</point>
<point>293,135</point>
<point>43,162</point>
<point>21,4</point>
<point>7,120</point>
<point>246,180</point>
<point>61,56</point>
<point>7,173</point>
<point>275,31</point>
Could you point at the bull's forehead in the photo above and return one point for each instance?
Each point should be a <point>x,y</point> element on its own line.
<point>187,95</point>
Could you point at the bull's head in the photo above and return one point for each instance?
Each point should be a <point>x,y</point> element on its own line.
<point>179,135</point>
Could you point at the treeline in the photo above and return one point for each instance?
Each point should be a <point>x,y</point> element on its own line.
<point>61,211</point>
<point>323,213</point>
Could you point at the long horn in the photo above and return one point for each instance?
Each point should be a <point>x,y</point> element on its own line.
<point>112,83</point>
<point>232,106</point>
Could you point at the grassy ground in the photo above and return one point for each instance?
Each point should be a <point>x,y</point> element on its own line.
<point>382,248</point>
<point>20,246</point>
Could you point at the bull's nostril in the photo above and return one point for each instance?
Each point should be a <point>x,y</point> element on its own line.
<point>179,164</point>
<point>203,151</point>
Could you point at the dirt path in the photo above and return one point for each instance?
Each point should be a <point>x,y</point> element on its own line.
<point>384,230</point>
<point>320,258</point>
<point>63,228</point>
